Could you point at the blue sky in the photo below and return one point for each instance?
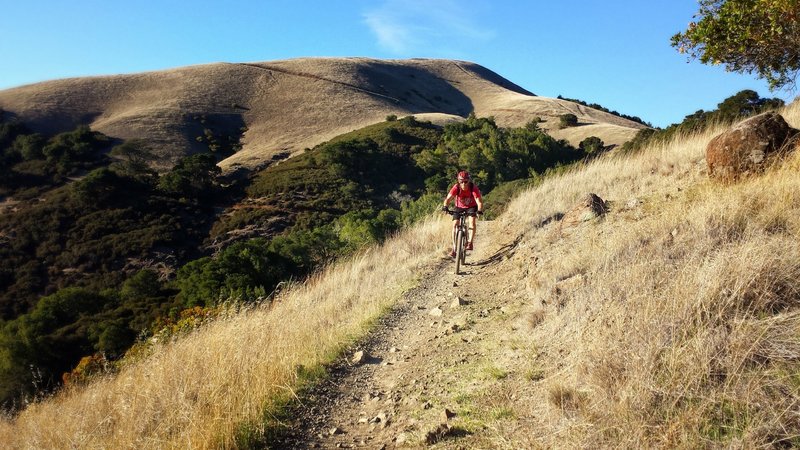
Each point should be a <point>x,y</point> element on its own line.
<point>615,52</point>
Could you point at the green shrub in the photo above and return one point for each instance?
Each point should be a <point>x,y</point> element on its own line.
<point>413,211</point>
<point>567,120</point>
<point>641,138</point>
<point>193,176</point>
<point>591,145</point>
<point>69,151</point>
<point>144,284</point>
<point>46,341</point>
<point>30,146</point>
<point>244,271</point>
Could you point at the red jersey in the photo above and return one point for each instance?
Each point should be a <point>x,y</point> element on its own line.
<point>465,198</point>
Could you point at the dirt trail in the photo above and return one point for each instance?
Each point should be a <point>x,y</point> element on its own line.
<point>432,352</point>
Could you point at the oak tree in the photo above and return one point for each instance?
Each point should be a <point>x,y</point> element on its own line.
<point>747,36</point>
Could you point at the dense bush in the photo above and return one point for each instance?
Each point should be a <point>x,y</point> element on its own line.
<point>567,120</point>
<point>38,346</point>
<point>193,176</point>
<point>415,210</point>
<point>244,271</point>
<point>29,160</point>
<point>90,234</point>
<point>591,145</point>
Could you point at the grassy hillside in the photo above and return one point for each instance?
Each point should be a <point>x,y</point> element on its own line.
<point>94,261</point>
<point>673,322</point>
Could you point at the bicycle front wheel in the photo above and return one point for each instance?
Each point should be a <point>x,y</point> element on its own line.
<point>459,250</point>
<point>464,247</point>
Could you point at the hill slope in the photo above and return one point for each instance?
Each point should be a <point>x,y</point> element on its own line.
<point>286,106</point>
<point>671,322</point>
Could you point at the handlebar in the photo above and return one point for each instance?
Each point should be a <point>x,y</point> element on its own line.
<point>465,212</point>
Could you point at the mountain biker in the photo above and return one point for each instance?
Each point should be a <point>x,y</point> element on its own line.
<point>468,198</point>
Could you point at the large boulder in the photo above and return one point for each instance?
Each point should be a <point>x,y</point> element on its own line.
<point>748,146</point>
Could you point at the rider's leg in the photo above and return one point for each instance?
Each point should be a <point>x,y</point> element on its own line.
<point>455,230</point>
<point>471,233</point>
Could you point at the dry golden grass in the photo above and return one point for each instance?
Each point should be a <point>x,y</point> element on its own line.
<point>683,329</point>
<point>204,390</point>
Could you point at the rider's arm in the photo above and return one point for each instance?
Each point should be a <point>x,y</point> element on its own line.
<point>447,200</point>
<point>476,194</point>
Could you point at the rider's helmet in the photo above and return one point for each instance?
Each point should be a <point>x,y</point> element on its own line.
<point>463,176</point>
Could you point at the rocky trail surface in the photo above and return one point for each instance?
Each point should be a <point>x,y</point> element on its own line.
<point>416,380</point>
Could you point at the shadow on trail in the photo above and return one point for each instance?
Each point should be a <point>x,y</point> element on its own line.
<point>507,250</point>
<point>555,217</point>
<point>504,252</point>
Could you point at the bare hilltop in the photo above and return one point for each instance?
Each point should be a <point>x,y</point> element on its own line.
<point>282,107</point>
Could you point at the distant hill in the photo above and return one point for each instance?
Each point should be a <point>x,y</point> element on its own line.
<point>275,107</point>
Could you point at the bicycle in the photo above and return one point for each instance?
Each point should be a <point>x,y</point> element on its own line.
<point>461,235</point>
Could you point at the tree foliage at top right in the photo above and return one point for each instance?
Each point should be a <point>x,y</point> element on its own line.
<point>747,36</point>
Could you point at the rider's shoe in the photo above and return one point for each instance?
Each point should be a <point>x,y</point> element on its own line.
<point>452,253</point>
<point>469,245</point>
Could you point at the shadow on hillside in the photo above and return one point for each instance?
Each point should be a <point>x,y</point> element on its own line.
<point>217,132</point>
<point>421,90</point>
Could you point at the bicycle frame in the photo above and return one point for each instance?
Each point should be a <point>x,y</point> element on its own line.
<point>461,236</point>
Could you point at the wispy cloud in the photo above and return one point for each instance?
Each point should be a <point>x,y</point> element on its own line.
<point>409,26</point>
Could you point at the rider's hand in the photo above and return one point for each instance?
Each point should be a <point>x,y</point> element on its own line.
<point>444,208</point>
<point>480,213</point>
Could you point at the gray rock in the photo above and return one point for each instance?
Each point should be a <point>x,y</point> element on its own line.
<point>359,357</point>
<point>447,415</point>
